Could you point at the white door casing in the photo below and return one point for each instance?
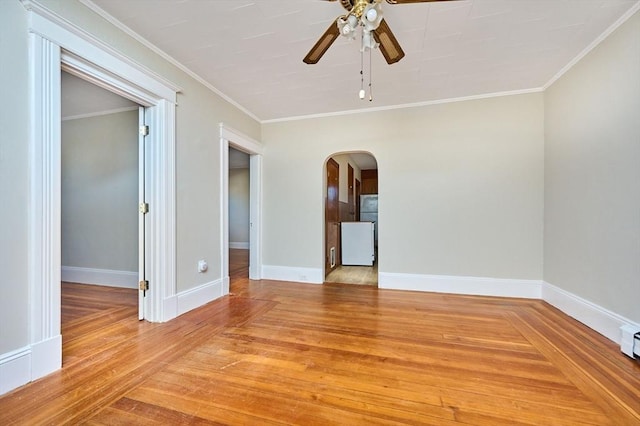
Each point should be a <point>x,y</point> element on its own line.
<point>241,142</point>
<point>56,44</point>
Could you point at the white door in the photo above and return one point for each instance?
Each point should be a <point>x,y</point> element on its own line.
<point>142,278</point>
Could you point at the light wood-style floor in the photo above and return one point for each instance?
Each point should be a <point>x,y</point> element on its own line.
<point>361,275</point>
<point>284,353</point>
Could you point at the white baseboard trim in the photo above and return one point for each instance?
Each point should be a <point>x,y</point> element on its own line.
<point>30,363</point>
<point>239,245</point>
<point>46,357</point>
<point>201,295</point>
<point>106,277</point>
<point>293,274</point>
<point>593,316</point>
<point>477,286</point>
<point>15,369</point>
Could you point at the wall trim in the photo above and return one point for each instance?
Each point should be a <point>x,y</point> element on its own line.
<point>106,277</point>
<point>477,286</point>
<point>15,369</point>
<point>239,245</point>
<point>596,317</point>
<point>624,18</point>
<point>199,296</point>
<point>292,274</point>
<point>46,357</point>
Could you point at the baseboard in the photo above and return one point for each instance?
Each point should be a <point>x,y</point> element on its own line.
<point>30,363</point>
<point>201,295</point>
<point>15,369</point>
<point>477,286</point>
<point>239,245</point>
<point>593,316</point>
<point>106,277</point>
<point>293,274</point>
<point>46,357</point>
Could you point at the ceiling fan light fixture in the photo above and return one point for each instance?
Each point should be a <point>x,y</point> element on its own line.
<point>347,26</point>
<point>372,16</point>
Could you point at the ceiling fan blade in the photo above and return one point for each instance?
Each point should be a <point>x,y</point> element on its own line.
<point>389,46</point>
<point>323,44</point>
<point>414,1</point>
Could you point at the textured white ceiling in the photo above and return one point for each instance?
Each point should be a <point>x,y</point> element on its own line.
<point>251,51</point>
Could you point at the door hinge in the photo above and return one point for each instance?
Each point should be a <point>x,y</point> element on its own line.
<point>144,130</point>
<point>143,208</point>
<point>143,285</point>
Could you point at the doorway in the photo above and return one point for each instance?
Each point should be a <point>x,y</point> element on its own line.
<point>351,233</point>
<point>239,213</point>
<point>231,138</point>
<point>102,233</point>
<point>49,49</point>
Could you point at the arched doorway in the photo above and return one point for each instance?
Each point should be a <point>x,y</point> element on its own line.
<point>351,224</point>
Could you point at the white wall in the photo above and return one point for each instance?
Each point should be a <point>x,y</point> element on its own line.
<point>100,192</point>
<point>592,182</point>
<point>239,208</point>
<point>460,184</point>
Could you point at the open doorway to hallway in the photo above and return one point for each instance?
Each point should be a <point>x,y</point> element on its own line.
<point>239,213</point>
<point>351,222</point>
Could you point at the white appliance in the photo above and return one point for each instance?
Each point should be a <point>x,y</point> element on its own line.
<point>369,212</point>
<point>358,243</point>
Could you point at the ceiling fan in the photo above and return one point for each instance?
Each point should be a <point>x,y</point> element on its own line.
<point>375,31</point>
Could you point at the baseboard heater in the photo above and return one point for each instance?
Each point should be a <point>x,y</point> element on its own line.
<point>630,343</point>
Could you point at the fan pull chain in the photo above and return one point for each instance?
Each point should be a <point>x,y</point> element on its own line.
<point>370,74</point>
<point>361,93</point>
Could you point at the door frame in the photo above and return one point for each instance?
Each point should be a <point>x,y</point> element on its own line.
<point>230,137</point>
<point>56,45</point>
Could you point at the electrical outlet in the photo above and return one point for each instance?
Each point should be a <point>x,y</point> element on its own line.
<point>202,266</point>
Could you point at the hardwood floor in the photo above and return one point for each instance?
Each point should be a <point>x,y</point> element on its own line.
<point>284,353</point>
<point>361,275</point>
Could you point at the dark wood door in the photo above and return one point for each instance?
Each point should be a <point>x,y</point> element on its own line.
<point>332,217</point>
<point>369,181</point>
<point>358,193</point>
<point>351,196</point>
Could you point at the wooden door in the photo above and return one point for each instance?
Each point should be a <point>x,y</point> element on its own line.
<point>358,193</point>
<point>332,217</point>
<point>351,196</point>
<point>369,181</point>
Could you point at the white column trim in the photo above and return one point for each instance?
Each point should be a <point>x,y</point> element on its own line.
<point>45,196</point>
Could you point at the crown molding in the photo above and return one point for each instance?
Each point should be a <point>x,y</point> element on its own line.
<point>624,18</point>
<point>164,55</point>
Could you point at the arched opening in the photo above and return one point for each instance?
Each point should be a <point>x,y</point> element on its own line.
<point>351,218</point>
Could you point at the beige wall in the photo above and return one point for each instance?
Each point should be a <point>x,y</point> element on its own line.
<point>460,187</point>
<point>100,192</point>
<point>239,206</point>
<point>592,185</point>
<point>14,177</point>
